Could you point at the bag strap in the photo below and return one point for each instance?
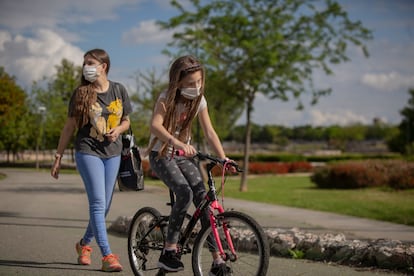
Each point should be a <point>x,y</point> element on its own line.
<point>130,129</point>
<point>116,86</point>
<point>130,136</point>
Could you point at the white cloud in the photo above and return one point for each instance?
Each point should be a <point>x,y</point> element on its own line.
<point>147,32</point>
<point>388,81</point>
<point>30,59</point>
<point>50,13</point>
<point>4,36</point>
<point>275,112</point>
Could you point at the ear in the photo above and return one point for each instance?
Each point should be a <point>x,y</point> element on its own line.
<point>105,67</point>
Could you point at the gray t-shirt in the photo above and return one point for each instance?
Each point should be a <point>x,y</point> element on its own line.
<point>104,115</point>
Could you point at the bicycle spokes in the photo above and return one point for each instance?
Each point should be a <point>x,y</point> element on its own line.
<point>251,251</point>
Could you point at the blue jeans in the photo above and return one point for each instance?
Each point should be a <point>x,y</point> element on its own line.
<point>99,176</point>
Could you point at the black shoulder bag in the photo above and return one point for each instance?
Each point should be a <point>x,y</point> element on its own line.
<point>131,175</point>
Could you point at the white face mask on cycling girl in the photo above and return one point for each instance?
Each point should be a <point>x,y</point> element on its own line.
<point>90,73</point>
<point>190,92</point>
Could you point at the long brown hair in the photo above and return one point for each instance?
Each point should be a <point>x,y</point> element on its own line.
<point>179,70</point>
<point>85,94</point>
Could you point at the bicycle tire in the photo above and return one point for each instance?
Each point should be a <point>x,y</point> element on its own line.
<point>143,252</point>
<point>249,240</point>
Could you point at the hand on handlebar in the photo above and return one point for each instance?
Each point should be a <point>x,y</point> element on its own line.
<point>185,150</point>
<point>230,165</point>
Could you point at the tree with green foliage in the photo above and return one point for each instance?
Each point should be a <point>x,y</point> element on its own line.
<point>148,87</point>
<point>403,140</point>
<point>341,136</point>
<point>14,127</point>
<point>268,47</point>
<point>53,97</point>
<point>224,109</point>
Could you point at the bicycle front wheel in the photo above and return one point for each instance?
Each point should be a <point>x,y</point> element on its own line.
<point>144,244</point>
<point>249,241</point>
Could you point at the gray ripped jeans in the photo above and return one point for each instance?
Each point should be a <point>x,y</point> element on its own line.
<point>183,177</point>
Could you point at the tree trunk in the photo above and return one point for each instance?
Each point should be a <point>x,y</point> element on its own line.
<point>247,138</point>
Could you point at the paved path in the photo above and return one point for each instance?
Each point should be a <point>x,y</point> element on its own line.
<point>42,218</point>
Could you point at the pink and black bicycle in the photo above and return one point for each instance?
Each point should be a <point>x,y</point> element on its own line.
<point>239,239</point>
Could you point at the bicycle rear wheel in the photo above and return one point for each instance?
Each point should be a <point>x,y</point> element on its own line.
<point>249,240</point>
<point>144,246</point>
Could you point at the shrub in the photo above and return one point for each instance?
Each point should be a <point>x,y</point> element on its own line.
<point>360,174</point>
<point>271,168</point>
<point>268,168</point>
<point>346,176</point>
<point>403,178</point>
<point>300,166</point>
<point>279,157</point>
<point>321,177</point>
<point>279,167</point>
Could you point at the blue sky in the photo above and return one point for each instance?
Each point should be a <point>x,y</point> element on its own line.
<point>35,35</point>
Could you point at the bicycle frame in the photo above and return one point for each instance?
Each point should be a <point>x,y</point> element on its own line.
<point>210,200</point>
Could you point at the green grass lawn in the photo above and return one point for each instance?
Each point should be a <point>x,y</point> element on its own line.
<point>298,191</point>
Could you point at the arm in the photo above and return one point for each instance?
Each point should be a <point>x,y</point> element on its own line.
<point>65,136</point>
<point>157,128</point>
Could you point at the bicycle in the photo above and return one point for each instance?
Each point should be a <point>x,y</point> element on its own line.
<point>239,239</point>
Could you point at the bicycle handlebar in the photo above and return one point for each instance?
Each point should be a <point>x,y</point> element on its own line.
<point>214,159</point>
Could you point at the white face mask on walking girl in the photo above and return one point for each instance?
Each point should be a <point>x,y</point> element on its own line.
<point>190,92</point>
<point>90,73</point>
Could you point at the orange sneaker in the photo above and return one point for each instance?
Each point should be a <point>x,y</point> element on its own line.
<point>84,254</point>
<point>110,263</point>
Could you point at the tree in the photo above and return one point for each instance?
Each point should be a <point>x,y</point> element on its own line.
<point>269,47</point>
<point>14,129</point>
<point>54,97</point>
<point>148,87</point>
<point>340,137</point>
<point>223,112</point>
<point>403,140</point>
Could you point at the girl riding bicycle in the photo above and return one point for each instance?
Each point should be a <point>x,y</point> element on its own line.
<point>171,123</point>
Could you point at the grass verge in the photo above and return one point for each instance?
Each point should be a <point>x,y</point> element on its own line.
<point>298,191</point>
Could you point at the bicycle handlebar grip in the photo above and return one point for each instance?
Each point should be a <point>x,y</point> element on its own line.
<point>179,152</point>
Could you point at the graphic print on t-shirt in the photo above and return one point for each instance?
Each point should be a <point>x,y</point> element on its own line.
<point>98,122</point>
<point>100,126</point>
<point>115,114</point>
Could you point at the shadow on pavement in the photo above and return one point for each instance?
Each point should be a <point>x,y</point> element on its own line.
<point>44,265</point>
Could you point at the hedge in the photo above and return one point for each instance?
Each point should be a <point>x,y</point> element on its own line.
<point>397,174</point>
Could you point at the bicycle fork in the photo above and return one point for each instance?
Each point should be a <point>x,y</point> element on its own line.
<point>215,205</point>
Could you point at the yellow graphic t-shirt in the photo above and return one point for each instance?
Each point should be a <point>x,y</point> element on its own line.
<point>104,115</point>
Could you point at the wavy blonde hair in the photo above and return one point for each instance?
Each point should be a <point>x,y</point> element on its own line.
<point>180,68</point>
<point>85,94</point>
